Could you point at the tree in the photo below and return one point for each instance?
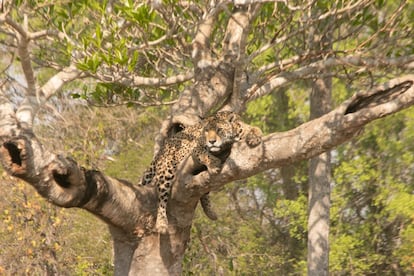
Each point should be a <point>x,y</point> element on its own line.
<point>319,166</point>
<point>199,58</point>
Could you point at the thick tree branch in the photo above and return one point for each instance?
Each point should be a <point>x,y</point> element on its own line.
<point>64,183</point>
<point>128,211</point>
<point>309,139</point>
<point>131,210</point>
<point>201,42</point>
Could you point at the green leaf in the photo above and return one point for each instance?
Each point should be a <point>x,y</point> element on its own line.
<point>98,38</point>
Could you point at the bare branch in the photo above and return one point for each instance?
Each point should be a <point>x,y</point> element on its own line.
<point>350,8</point>
<point>23,40</point>
<point>50,33</point>
<point>66,75</point>
<point>137,103</point>
<point>286,2</point>
<point>113,74</point>
<point>262,88</point>
<point>30,105</point>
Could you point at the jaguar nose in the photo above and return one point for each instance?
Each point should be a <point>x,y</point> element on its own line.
<point>212,141</point>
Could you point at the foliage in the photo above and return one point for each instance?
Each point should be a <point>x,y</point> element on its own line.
<point>242,241</point>
<point>373,209</point>
<point>38,238</point>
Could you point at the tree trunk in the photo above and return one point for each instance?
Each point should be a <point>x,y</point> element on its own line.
<point>152,254</point>
<point>319,190</point>
<point>320,42</point>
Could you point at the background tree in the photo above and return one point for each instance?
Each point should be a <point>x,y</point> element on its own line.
<point>319,41</point>
<point>199,57</point>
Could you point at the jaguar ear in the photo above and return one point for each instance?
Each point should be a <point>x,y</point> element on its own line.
<point>233,117</point>
<point>175,128</point>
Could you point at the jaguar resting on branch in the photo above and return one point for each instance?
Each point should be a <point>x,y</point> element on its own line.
<point>208,143</point>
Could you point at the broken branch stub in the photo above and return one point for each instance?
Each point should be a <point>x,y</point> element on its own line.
<point>384,93</point>
<point>378,102</point>
<point>56,178</point>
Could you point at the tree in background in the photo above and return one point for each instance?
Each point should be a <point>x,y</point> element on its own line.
<point>319,40</point>
<point>199,58</point>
